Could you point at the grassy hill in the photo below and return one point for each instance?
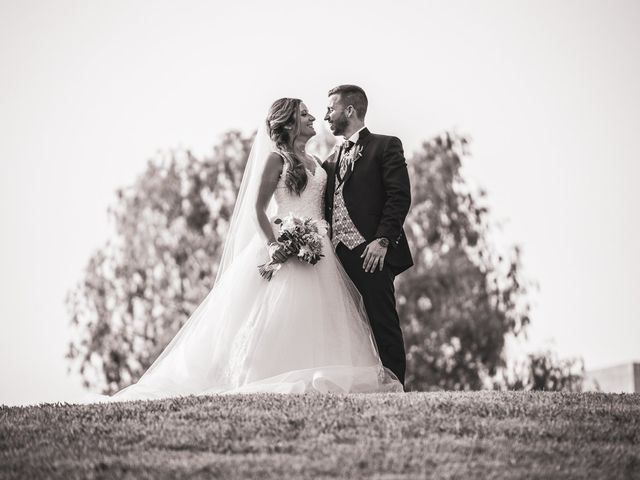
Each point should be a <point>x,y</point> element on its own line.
<point>387,436</point>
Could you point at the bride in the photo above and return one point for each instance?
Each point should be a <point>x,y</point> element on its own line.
<point>306,329</point>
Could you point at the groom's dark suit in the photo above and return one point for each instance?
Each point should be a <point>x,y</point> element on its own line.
<point>377,196</point>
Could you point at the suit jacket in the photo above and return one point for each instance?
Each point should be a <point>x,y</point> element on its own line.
<point>377,194</point>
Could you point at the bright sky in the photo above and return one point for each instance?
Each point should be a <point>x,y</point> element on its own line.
<point>548,90</point>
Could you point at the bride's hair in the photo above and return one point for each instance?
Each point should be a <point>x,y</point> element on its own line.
<point>283,126</point>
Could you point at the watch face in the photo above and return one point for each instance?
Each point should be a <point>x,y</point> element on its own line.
<point>383,242</point>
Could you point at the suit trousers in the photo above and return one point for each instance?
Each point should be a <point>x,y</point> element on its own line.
<point>378,294</point>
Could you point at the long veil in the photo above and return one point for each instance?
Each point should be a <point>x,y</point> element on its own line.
<point>243,229</point>
<point>243,226</point>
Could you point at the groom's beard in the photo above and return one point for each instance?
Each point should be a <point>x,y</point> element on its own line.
<point>340,125</point>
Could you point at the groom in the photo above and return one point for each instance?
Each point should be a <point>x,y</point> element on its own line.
<point>367,199</point>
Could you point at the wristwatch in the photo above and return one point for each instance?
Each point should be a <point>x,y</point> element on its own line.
<point>383,242</point>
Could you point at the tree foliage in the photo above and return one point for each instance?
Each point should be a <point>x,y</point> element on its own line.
<point>456,305</point>
<point>542,371</point>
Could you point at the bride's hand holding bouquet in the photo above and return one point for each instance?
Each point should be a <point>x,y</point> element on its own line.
<point>297,236</point>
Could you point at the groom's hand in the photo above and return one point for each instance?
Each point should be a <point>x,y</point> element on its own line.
<point>374,254</point>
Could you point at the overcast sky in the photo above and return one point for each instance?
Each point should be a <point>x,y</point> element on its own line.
<point>548,91</point>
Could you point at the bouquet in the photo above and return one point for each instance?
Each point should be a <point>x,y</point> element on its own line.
<point>301,237</point>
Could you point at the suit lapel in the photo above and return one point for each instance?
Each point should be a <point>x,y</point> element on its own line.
<point>336,161</point>
<point>332,164</point>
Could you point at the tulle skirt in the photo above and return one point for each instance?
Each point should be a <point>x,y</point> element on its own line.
<point>305,330</point>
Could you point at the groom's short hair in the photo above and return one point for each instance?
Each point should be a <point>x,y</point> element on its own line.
<point>352,95</point>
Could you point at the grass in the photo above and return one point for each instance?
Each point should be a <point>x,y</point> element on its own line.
<point>387,436</point>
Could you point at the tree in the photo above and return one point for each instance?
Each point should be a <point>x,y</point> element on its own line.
<point>456,305</point>
<point>141,287</point>
<point>462,297</point>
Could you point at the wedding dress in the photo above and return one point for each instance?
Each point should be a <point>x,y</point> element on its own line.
<point>305,330</point>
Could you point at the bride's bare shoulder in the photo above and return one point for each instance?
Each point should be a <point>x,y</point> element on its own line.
<point>274,165</point>
<point>275,158</point>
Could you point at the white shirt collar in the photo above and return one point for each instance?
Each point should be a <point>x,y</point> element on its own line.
<point>354,138</point>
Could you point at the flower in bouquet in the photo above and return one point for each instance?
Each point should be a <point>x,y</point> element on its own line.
<point>300,237</point>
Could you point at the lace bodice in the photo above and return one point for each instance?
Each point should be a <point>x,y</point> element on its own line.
<point>310,202</point>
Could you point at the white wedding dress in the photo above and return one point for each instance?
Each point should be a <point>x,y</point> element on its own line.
<point>306,330</point>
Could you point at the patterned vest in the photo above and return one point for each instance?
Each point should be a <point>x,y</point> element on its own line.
<point>342,226</point>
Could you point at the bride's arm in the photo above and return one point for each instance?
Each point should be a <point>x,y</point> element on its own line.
<point>268,182</point>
